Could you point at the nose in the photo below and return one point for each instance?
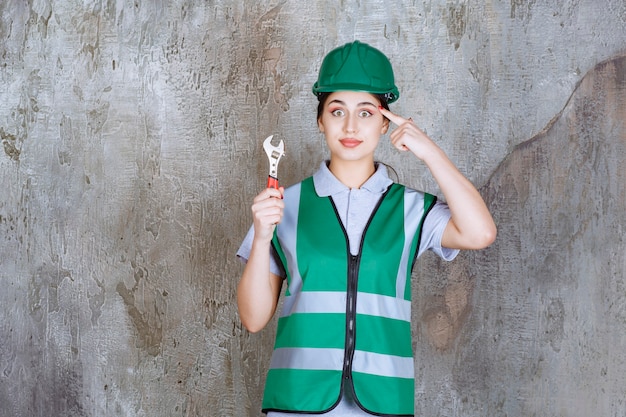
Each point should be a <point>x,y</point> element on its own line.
<point>350,124</point>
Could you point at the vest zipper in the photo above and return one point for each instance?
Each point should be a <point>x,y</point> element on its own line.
<point>353,268</point>
<point>353,280</point>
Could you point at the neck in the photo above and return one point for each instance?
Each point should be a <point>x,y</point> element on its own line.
<point>352,174</point>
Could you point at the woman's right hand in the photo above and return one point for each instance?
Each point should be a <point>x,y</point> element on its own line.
<point>267,211</point>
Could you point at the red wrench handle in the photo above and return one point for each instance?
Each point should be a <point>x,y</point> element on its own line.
<point>272,182</point>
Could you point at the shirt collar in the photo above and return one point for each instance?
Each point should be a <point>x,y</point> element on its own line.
<point>326,184</point>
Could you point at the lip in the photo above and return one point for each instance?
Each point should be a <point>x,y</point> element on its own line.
<point>350,143</point>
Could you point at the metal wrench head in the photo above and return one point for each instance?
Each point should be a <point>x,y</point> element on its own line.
<point>274,153</point>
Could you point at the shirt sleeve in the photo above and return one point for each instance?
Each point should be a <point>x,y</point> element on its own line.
<point>246,247</point>
<point>432,231</point>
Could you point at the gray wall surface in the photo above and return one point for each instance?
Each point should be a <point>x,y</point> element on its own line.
<point>131,150</point>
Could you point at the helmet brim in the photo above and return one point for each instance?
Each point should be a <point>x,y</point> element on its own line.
<point>391,96</point>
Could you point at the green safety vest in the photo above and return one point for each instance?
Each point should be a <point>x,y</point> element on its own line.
<point>345,318</point>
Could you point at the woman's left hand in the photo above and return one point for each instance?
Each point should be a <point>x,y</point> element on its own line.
<point>407,136</point>
<point>471,225</point>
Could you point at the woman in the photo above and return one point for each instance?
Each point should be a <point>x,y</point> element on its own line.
<point>346,240</point>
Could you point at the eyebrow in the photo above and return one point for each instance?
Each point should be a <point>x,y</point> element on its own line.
<point>363,103</point>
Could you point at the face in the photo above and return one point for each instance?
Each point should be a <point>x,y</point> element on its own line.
<point>352,125</point>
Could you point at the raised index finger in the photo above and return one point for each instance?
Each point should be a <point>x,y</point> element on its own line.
<point>395,119</point>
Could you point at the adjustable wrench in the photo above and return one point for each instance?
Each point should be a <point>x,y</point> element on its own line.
<point>274,153</point>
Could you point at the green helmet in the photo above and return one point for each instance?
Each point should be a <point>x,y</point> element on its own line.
<point>357,66</point>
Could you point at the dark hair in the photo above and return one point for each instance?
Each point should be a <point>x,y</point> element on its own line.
<point>322,97</point>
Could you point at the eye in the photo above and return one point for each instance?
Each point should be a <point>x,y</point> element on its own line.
<point>337,112</point>
<point>364,113</point>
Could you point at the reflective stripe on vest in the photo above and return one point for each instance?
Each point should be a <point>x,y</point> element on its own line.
<point>320,341</point>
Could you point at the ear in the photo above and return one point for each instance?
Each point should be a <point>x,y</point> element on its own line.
<point>385,127</point>
<point>320,125</point>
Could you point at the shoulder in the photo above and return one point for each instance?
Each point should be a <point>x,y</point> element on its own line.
<point>295,187</point>
<point>409,190</point>
<point>414,195</point>
<point>292,193</point>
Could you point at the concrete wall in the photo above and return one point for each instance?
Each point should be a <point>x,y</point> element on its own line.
<point>131,135</point>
